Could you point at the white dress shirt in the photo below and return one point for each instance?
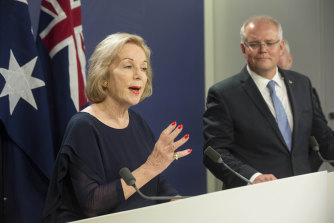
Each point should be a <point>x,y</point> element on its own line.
<point>281,93</point>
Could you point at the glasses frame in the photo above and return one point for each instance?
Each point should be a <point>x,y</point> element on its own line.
<point>257,45</point>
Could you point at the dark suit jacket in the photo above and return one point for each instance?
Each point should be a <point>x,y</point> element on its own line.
<point>239,125</point>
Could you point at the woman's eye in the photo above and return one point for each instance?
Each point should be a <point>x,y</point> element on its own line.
<point>128,67</point>
<point>144,68</point>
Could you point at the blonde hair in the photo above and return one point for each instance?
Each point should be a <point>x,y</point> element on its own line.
<point>104,54</point>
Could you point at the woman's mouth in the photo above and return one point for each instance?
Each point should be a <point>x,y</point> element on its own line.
<point>135,89</point>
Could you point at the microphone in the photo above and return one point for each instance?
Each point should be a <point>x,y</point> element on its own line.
<point>315,147</point>
<point>130,180</point>
<point>216,158</point>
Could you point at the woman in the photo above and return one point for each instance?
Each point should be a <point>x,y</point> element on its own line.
<point>107,136</point>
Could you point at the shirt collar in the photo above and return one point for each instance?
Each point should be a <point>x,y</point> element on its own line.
<point>262,82</point>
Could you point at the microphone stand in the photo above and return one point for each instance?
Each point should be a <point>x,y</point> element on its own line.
<point>130,180</point>
<point>216,158</point>
<point>157,197</point>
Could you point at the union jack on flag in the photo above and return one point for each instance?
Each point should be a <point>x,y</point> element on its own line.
<point>60,40</point>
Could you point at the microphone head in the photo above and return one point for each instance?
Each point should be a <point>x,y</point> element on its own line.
<point>127,176</point>
<point>213,155</point>
<point>314,144</point>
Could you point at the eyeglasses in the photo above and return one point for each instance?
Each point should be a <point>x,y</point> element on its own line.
<point>257,45</point>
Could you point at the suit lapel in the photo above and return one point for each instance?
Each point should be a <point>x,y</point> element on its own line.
<point>255,95</point>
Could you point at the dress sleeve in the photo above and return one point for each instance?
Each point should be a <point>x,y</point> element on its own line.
<point>165,189</point>
<point>94,198</point>
<point>94,193</point>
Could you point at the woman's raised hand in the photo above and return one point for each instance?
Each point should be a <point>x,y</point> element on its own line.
<point>164,153</point>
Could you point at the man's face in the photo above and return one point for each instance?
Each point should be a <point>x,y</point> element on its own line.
<point>262,48</point>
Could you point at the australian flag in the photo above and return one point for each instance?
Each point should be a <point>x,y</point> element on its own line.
<point>27,143</point>
<point>40,89</point>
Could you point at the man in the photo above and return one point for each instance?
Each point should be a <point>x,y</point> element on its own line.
<point>286,59</point>
<point>261,119</point>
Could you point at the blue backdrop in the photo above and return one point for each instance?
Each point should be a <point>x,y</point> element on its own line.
<point>173,29</point>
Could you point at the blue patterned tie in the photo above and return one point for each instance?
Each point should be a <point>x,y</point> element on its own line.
<point>281,116</point>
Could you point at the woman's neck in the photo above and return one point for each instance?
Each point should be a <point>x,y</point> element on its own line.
<point>110,113</point>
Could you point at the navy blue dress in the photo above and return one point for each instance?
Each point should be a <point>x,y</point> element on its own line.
<point>85,181</point>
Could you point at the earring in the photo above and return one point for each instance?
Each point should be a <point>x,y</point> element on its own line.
<point>105,84</point>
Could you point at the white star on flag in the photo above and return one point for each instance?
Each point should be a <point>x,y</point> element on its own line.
<point>19,82</point>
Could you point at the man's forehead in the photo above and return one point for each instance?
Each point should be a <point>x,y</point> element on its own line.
<point>261,30</point>
<point>252,25</point>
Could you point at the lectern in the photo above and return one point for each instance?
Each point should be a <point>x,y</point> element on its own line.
<point>306,198</point>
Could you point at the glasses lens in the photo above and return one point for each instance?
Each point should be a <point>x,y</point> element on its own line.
<point>257,45</point>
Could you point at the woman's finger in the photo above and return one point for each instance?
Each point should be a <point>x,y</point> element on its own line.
<point>180,142</point>
<point>179,154</point>
<point>175,132</point>
<point>167,131</point>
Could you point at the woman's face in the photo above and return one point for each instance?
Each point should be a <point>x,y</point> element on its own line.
<point>127,75</point>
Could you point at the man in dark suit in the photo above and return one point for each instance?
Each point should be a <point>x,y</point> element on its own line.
<point>261,119</point>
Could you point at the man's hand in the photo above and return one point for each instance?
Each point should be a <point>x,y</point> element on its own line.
<point>264,178</point>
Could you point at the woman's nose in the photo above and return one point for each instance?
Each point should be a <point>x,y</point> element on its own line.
<point>137,73</point>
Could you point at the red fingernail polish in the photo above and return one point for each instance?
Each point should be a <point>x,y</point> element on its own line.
<point>189,150</point>
<point>180,126</point>
<point>186,136</point>
<point>174,123</point>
